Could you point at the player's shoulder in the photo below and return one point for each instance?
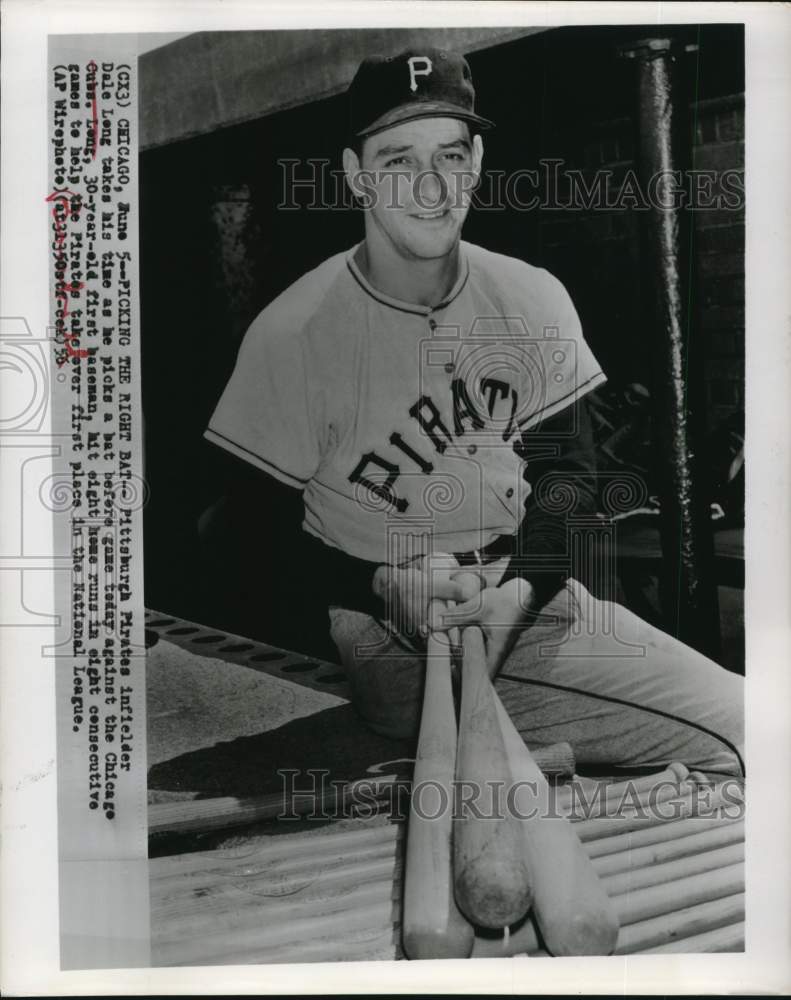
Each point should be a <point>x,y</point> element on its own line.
<point>295,309</point>
<point>511,279</point>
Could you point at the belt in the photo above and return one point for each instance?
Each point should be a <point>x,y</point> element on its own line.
<point>501,546</point>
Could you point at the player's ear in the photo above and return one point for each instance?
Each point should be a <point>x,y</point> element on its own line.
<point>351,164</point>
<point>356,177</point>
<point>477,153</point>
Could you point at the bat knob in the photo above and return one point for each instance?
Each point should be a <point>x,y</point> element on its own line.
<point>679,770</point>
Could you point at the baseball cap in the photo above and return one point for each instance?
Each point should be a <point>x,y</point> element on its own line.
<point>416,83</point>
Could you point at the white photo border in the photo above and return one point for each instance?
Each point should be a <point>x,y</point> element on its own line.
<point>30,933</point>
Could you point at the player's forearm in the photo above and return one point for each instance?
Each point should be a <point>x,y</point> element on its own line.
<point>542,548</point>
<point>344,580</point>
<point>270,515</point>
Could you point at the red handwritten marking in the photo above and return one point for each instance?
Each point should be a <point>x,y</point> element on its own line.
<point>72,287</point>
<point>60,236</point>
<point>71,352</point>
<point>56,196</point>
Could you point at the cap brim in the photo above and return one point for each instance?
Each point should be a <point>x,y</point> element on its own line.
<point>424,109</point>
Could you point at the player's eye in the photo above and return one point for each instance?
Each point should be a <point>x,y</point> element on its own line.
<point>397,161</point>
<point>455,157</point>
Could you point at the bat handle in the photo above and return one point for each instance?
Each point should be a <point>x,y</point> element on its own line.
<point>432,925</point>
<point>455,631</point>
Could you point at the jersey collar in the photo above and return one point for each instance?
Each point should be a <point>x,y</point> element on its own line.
<point>409,307</point>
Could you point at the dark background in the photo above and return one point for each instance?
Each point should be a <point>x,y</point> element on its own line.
<point>215,250</point>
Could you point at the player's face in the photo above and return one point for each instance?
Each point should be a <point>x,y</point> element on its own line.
<point>416,180</point>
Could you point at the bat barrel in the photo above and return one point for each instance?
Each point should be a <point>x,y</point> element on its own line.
<point>492,879</point>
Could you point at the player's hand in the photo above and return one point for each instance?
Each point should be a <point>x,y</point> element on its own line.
<point>500,611</point>
<point>408,591</point>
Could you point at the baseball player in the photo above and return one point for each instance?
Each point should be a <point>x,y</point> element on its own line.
<point>418,403</point>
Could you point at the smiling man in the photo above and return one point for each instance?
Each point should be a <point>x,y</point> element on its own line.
<point>417,179</point>
<point>415,407</point>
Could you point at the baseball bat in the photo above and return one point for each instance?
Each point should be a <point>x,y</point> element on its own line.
<point>201,815</point>
<point>492,879</point>
<point>730,938</point>
<point>686,802</point>
<point>654,835</point>
<point>695,864</point>
<point>657,899</point>
<point>571,906</point>
<point>433,927</point>
<point>615,805</point>
<point>685,922</point>
<point>568,794</point>
<point>708,839</point>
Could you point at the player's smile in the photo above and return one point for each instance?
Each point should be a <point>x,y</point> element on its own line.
<point>432,216</point>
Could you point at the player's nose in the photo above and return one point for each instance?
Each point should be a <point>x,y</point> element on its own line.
<point>429,190</point>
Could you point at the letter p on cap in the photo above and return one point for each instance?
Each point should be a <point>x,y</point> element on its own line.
<point>414,72</point>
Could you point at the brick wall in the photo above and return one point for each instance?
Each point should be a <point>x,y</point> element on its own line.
<point>597,252</point>
<point>719,236</point>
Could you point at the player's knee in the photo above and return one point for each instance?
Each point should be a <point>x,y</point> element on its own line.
<point>387,701</point>
<point>715,761</point>
<point>386,683</point>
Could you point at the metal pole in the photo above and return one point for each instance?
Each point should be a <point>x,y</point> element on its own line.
<point>688,588</point>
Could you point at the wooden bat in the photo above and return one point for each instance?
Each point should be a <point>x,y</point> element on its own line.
<point>701,888</point>
<point>685,922</point>
<point>567,794</point>
<point>730,938</point>
<point>491,875</point>
<point>570,903</point>
<point>202,815</point>
<point>670,871</point>
<point>433,927</point>
<point>615,805</point>
<point>650,835</point>
<point>685,802</point>
<point>707,839</point>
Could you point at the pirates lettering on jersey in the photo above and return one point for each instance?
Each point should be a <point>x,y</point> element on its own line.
<point>387,422</point>
<point>425,412</point>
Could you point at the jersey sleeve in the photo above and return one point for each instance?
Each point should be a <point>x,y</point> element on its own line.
<point>562,368</point>
<point>267,414</point>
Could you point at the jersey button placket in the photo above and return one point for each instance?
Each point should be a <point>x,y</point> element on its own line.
<point>449,366</point>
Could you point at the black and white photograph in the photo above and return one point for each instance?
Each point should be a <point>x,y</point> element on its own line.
<point>394,443</point>
<point>446,536</point>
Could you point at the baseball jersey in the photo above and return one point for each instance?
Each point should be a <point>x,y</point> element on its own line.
<point>398,421</point>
